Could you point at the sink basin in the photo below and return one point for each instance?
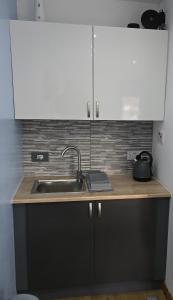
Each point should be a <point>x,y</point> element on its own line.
<point>58,186</point>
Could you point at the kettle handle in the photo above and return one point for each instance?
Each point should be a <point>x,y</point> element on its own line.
<point>145,152</point>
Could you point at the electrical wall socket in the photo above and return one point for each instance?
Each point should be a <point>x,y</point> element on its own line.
<point>161,134</point>
<point>39,156</point>
<point>131,155</point>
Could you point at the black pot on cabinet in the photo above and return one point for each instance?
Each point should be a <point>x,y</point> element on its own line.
<point>142,168</point>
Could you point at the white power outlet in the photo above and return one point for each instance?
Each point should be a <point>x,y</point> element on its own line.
<point>131,155</point>
<point>161,135</point>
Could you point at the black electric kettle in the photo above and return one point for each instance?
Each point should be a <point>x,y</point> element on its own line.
<point>142,168</point>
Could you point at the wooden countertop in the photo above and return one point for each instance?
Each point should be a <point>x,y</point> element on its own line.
<point>124,187</point>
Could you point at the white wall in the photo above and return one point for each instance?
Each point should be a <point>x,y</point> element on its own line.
<point>96,12</point>
<point>163,153</point>
<point>10,162</point>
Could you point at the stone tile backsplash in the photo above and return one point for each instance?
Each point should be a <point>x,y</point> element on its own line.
<point>103,144</point>
<point>110,141</point>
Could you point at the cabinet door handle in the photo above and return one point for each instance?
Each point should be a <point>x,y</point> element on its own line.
<point>90,206</point>
<point>88,110</point>
<point>97,109</point>
<point>99,209</point>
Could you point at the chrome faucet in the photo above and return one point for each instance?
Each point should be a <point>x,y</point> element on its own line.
<point>70,147</point>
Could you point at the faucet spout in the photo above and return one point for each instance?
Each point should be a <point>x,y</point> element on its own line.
<point>70,147</point>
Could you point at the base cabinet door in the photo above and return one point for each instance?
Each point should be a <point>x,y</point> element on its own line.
<point>130,240</point>
<point>59,246</point>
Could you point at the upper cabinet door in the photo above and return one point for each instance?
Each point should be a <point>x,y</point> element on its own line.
<point>52,70</point>
<point>129,73</point>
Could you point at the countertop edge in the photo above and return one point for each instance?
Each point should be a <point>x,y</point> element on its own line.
<point>137,190</point>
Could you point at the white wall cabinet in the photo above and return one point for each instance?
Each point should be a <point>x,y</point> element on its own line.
<point>64,71</point>
<point>52,70</point>
<point>129,73</point>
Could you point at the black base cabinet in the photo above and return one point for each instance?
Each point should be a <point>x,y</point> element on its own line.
<point>82,246</point>
<point>131,240</point>
<point>58,243</point>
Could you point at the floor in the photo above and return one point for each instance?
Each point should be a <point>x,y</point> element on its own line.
<point>149,295</point>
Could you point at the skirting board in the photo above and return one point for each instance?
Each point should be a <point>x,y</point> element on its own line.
<point>98,289</point>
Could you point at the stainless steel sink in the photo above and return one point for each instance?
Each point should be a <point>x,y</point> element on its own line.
<point>59,186</point>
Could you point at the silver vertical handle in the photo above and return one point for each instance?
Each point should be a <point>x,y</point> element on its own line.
<point>99,209</point>
<point>97,109</point>
<point>90,206</point>
<point>88,110</point>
